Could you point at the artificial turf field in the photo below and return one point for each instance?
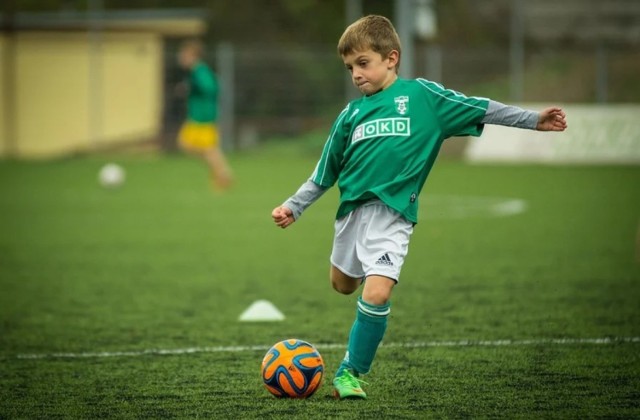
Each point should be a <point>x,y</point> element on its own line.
<point>533,314</point>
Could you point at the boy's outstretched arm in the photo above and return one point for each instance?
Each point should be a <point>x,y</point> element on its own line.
<point>552,119</point>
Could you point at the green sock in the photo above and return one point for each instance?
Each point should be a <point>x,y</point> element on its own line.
<point>366,333</point>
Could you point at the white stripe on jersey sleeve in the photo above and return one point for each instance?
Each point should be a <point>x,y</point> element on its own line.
<point>426,83</point>
<point>327,145</point>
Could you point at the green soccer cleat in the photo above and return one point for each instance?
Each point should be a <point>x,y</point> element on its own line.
<point>347,386</point>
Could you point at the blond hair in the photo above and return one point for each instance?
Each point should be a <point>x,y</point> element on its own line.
<point>373,32</point>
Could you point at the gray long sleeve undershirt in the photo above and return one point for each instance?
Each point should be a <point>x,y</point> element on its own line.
<point>511,116</point>
<point>306,195</point>
<point>497,113</point>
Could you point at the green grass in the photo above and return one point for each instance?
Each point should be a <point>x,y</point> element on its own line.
<point>163,263</point>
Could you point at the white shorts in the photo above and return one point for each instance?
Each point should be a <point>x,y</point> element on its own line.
<point>371,240</point>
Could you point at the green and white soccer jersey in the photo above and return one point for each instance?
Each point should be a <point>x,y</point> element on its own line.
<point>202,104</point>
<point>384,145</point>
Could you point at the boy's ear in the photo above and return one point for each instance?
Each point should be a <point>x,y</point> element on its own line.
<point>393,57</point>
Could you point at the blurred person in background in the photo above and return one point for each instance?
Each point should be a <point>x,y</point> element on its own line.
<point>199,133</point>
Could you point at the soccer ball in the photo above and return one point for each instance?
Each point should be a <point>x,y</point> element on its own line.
<point>111,175</point>
<point>292,369</point>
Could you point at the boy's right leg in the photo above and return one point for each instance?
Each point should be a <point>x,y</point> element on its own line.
<point>343,283</point>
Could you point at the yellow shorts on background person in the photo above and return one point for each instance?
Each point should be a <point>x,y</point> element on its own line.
<point>198,136</point>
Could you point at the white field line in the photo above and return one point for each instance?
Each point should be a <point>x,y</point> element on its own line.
<point>444,206</point>
<point>328,346</point>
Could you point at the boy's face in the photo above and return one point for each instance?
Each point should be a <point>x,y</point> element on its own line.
<point>370,72</point>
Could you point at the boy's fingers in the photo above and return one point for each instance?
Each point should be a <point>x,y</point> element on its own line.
<point>278,212</point>
<point>282,216</point>
<point>284,223</point>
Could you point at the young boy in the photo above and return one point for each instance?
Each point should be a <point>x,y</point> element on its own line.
<point>199,134</point>
<point>380,151</point>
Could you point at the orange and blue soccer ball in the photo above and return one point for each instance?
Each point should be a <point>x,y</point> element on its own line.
<point>292,369</point>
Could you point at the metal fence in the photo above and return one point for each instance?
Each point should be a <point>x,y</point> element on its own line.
<point>533,55</point>
<point>275,92</point>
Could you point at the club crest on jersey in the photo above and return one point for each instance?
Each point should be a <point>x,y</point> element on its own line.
<point>402,104</point>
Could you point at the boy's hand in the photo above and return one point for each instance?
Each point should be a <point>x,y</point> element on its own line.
<point>283,216</point>
<point>552,119</point>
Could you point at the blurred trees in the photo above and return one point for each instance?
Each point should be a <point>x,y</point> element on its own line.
<point>241,21</point>
<point>299,21</point>
<point>297,38</point>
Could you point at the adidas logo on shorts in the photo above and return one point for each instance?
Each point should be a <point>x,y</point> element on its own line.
<point>384,260</point>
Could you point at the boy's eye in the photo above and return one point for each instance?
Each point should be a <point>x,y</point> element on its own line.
<point>362,64</point>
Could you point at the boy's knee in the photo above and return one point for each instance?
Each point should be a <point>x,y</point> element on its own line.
<point>342,283</point>
<point>377,290</point>
<point>341,287</point>
<point>376,297</point>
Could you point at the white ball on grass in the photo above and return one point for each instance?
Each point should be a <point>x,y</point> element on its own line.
<point>111,175</point>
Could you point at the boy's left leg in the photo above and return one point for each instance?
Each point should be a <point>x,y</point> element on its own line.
<point>381,246</point>
<point>367,331</point>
